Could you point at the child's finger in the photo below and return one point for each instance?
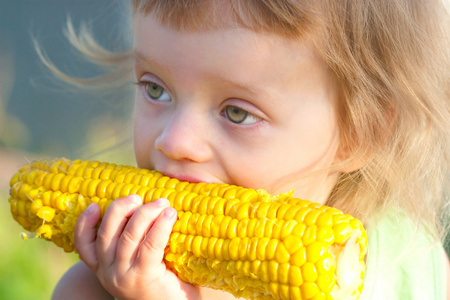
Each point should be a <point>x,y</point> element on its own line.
<point>113,223</point>
<point>136,230</point>
<point>85,235</point>
<point>151,250</point>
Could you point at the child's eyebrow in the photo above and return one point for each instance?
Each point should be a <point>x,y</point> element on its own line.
<point>251,90</point>
<point>137,55</point>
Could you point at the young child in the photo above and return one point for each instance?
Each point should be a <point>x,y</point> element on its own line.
<point>344,102</point>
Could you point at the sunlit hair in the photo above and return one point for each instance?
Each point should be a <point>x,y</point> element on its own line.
<point>391,61</point>
<point>392,64</point>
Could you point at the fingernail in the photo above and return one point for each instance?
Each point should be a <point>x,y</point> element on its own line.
<point>161,202</point>
<point>90,209</point>
<point>169,212</point>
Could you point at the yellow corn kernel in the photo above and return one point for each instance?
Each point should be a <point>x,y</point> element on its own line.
<point>315,251</point>
<point>294,292</point>
<point>312,216</point>
<point>288,227</point>
<point>45,231</point>
<point>310,235</point>
<point>261,248</point>
<point>231,228</point>
<point>226,250</point>
<point>292,243</point>
<point>273,271</point>
<point>282,210</point>
<point>309,290</point>
<point>281,253</point>
<point>309,272</point>
<point>326,266</point>
<point>35,206</point>
<point>74,184</point>
<point>283,272</point>
<point>284,291</point>
<point>196,245</point>
<point>274,290</point>
<point>234,248</point>
<point>295,277</point>
<point>319,296</point>
<point>251,227</point>
<point>218,249</point>
<point>211,246</point>
<point>215,225</point>
<point>243,241</point>
<point>325,218</point>
<point>263,271</point>
<point>278,228</point>
<point>301,213</point>
<point>342,232</point>
<point>325,283</point>
<point>271,248</point>
<point>21,211</point>
<point>252,248</point>
<point>325,234</point>
<point>46,213</point>
<point>242,250</point>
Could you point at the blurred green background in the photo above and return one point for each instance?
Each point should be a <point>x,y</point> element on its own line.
<point>41,118</point>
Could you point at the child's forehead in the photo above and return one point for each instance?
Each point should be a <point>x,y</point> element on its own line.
<point>240,57</point>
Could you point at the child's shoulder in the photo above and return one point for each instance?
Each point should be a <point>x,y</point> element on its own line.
<point>404,261</point>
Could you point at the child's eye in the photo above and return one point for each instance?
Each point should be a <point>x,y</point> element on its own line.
<point>157,92</point>
<point>240,116</point>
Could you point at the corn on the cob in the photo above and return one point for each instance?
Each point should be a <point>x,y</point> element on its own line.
<point>240,240</point>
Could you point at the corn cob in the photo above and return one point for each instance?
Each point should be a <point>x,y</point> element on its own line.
<point>243,241</point>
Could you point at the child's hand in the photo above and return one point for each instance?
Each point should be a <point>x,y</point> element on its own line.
<point>126,254</point>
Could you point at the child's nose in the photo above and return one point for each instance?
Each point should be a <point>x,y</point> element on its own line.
<point>184,139</point>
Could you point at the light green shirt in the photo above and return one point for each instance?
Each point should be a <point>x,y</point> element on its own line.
<point>403,262</point>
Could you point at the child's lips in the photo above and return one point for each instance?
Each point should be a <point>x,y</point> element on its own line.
<point>184,177</point>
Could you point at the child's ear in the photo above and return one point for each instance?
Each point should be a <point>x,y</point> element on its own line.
<point>348,160</point>
<point>352,156</point>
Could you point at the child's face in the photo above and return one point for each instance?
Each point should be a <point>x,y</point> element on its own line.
<point>234,106</point>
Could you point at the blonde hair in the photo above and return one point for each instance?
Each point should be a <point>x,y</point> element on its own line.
<point>392,63</point>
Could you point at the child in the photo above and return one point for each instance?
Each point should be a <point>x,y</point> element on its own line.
<point>344,102</point>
